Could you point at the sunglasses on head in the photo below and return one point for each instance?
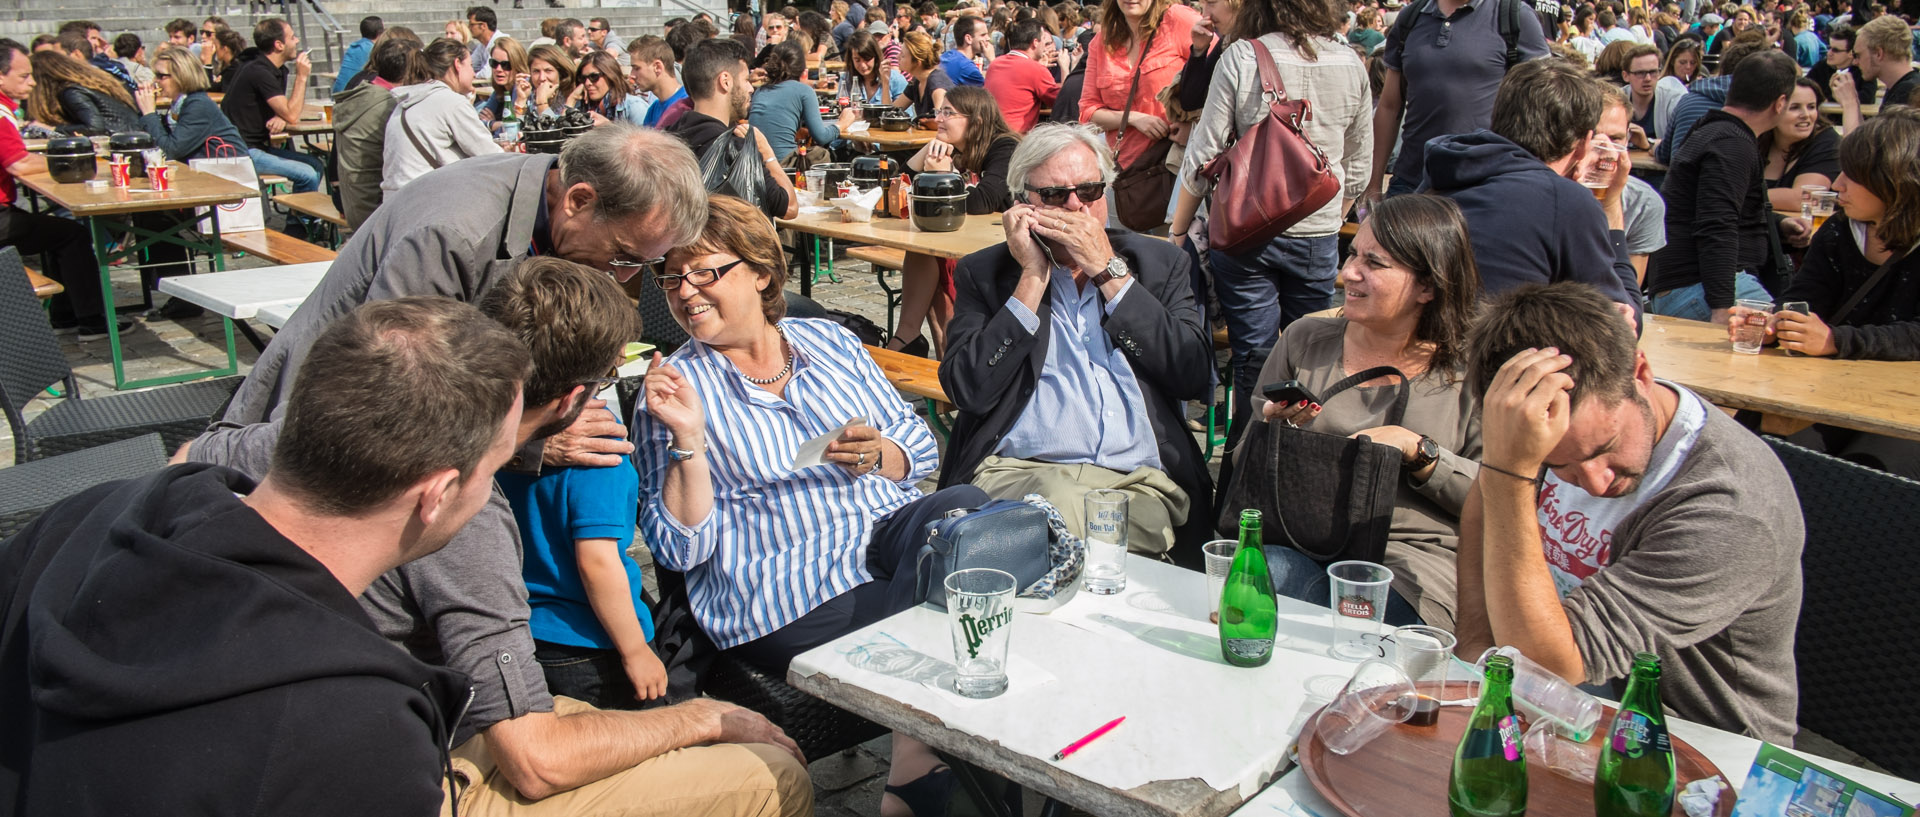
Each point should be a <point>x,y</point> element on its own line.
<point>1057,196</point>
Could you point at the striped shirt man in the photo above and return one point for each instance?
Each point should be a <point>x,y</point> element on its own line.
<point>778,542</point>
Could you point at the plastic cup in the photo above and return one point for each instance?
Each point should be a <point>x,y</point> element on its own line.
<point>1219,554</point>
<point>1106,571</point>
<point>816,181</point>
<point>1751,332</point>
<point>1546,697</point>
<point>1359,602</point>
<point>1378,696</point>
<point>980,610</point>
<point>1424,653</point>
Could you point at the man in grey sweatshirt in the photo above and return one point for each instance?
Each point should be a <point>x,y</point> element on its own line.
<point>1617,514</point>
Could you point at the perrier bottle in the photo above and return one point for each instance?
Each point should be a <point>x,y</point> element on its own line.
<point>1249,616</point>
<point>1490,767</point>
<point>1636,777</point>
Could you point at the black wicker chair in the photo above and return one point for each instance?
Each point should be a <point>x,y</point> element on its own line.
<point>31,487</point>
<point>1859,622</point>
<point>32,361</point>
<point>820,728</point>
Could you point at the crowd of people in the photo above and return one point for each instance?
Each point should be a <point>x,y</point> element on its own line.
<point>419,457</point>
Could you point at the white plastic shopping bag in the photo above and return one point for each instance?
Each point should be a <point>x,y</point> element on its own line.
<point>247,214</point>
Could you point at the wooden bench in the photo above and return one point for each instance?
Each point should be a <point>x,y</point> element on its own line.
<point>917,376</point>
<point>43,287</point>
<point>317,205</point>
<point>276,246</point>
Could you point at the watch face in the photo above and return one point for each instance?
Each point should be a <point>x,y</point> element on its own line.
<point>1118,268</point>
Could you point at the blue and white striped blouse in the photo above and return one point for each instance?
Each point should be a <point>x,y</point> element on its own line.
<point>779,542</point>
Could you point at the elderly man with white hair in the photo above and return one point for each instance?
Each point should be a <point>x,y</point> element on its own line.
<point>1071,351</point>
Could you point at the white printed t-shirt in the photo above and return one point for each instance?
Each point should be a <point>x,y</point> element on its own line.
<point>1576,528</point>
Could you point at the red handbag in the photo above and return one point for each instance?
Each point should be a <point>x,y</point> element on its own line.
<point>1272,176</point>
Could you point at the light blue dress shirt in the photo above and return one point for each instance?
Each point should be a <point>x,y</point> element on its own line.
<point>778,542</point>
<point>1087,407</point>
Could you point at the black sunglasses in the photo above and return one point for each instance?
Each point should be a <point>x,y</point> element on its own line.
<point>592,77</point>
<point>1057,196</point>
<point>206,33</point>
<point>697,277</point>
<point>502,63</point>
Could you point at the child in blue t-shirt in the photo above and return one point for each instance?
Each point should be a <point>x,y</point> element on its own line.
<point>591,629</point>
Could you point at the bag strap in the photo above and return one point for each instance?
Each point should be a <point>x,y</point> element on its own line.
<point>1127,112</point>
<point>417,144</point>
<point>1399,409</point>
<point>1872,281</point>
<point>1271,86</point>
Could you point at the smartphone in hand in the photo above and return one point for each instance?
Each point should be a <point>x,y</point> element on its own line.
<point>1288,392</point>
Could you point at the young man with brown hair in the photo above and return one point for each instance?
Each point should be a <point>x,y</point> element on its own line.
<point>1883,48</point>
<point>654,72</point>
<point>1617,514</point>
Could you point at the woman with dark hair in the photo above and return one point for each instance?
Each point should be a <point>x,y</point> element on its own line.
<point>75,98</point>
<point>869,81</point>
<point>550,73</point>
<point>719,426</point>
<point>1263,290</point>
<point>1802,150</point>
<point>820,35</point>
<point>512,86</point>
<point>229,49</point>
<point>433,124</point>
<point>1855,310</point>
<point>785,105</point>
<point>1413,273</point>
<point>1151,38</point>
<point>600,89</point>
<point>970,138</point>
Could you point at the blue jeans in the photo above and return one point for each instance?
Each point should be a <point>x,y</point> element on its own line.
<point>1298,577</point>
<point>1262,292</point>
<point>1690,301</point>
<point>303,171</point>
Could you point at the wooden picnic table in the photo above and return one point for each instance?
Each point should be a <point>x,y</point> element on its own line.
<point>895,140</point>
<point>1790,392</point>
<point>977,233</point>
<point>108,213</point>
<point>1644,162</point>
<point>1868,110</point>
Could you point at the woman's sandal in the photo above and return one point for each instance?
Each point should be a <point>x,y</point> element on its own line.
<point>917,347</point>
<point>928,795</point>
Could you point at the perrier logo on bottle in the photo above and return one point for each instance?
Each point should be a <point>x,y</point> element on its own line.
<point>977,629</point>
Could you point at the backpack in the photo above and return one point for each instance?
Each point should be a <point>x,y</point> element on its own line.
<point>1509,24</point>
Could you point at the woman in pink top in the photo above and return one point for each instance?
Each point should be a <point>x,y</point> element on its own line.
<point>1164,28</point>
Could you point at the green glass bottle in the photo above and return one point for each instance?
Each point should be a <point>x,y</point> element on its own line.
<point>1636,776</point>
<point>1249,615</point>
<point>1490,767</point>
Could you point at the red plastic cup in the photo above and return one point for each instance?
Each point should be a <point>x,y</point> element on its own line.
<point>122,171</point>
<point>161,176</point>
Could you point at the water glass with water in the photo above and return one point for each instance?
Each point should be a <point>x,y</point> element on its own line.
<point>1106,571</point>
<point>980,610</point>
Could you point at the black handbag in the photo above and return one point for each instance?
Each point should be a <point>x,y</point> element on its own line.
<point>1331,497</point>
<point>1024,537</point>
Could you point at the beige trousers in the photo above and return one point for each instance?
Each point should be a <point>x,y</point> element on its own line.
<point>724,780</point>
<point>1155,503</point>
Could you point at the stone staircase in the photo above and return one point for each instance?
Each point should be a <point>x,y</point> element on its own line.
<point>629,18</point>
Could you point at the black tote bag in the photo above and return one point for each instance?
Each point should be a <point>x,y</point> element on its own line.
<point>1330,497</point>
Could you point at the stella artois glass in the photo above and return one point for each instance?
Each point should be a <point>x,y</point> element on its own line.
<point>1359,601</point>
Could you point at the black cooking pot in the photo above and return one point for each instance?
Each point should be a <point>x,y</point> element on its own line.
<point>896,121</point>
<point>939,214</point>
<point>873,113</point>
<point>130,144</point>
<point>871,171</point>
<point>836,173</point>
<point>543,141</point>
<point>70,159</point>
<point>939,184</point>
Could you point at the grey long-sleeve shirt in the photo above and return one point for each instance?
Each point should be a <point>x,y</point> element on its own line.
<point>1341,127</point>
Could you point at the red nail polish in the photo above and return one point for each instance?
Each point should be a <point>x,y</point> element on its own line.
<point>1316,407</point>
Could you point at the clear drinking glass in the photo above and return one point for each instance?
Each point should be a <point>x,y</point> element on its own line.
<point>1106,571</point>
<point>980,608</point>
<point>1378,695</point>
<point>1801,307</point>
<point>1822,207</point>
<point>1807,192</point>
<point>816,182</point>
<point>1359,602</point>
<point>1219,555</point>
<point>1424,653</point>
<point>1751,332</point>
<point>1607,157</point>
<point>1546,697</point>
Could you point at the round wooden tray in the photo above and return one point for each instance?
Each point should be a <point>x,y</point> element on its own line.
<point>1405,770</point>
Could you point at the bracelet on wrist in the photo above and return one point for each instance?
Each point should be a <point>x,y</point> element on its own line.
<point>677,454</point>
<point>1534,481</point>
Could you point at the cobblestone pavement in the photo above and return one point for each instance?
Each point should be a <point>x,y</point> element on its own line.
<point>845,784</point>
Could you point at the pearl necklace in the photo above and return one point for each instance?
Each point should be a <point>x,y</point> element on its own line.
<point>784,370</point>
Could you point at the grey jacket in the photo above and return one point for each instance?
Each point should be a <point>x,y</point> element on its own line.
<point>446,234</point>
<point>1706,574</point>
<point>1342,125</point>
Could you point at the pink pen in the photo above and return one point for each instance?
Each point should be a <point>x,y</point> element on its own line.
<point>1081,743</point>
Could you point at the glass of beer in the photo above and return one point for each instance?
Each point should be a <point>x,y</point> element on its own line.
<point>1606,159</point>
<point>1807,192</point>
<point>1821,208</point>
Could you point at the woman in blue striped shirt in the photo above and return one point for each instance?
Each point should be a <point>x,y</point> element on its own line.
<point>780,560</point>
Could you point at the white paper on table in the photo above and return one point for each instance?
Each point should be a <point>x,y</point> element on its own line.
<point>859,127</point>
<point>859,206</point>
<point>814,452</point>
